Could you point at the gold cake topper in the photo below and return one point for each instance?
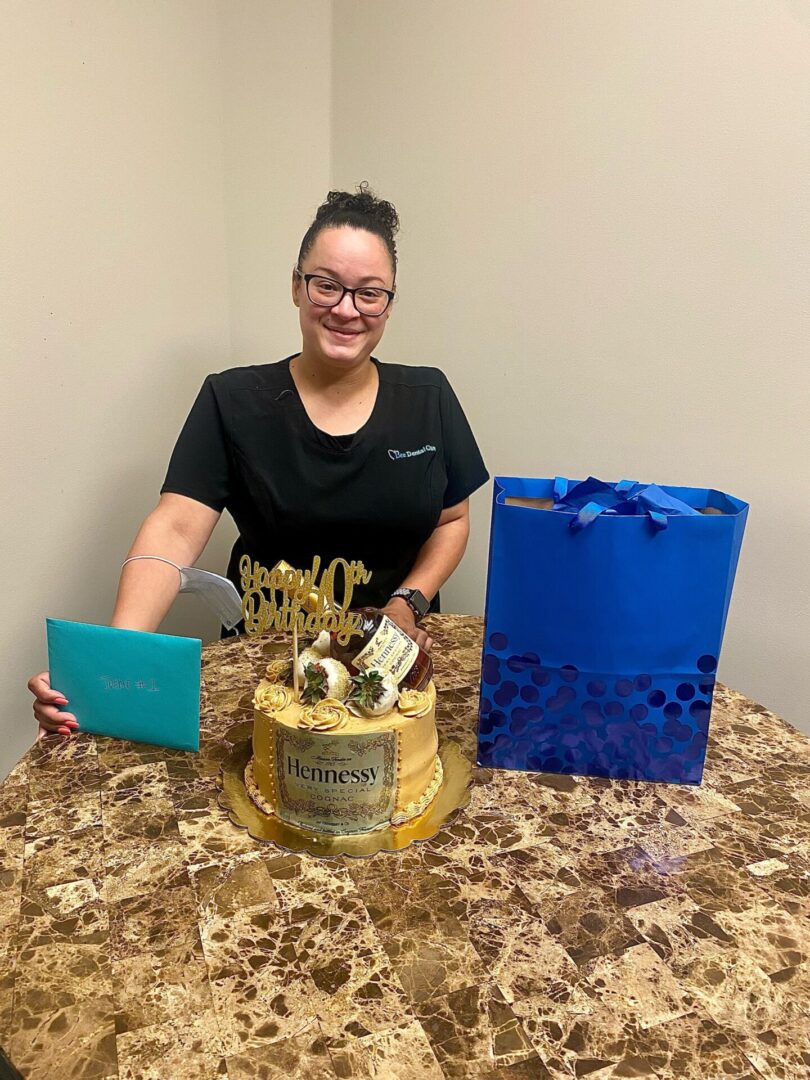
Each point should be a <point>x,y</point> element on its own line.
<point>307,606</point>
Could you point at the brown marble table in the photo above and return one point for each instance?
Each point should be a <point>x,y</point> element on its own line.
<point>559,927</point>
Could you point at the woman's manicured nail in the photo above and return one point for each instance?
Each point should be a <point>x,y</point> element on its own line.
<point>72,723</point>
<point>61,700</point>
<point>64,730</point>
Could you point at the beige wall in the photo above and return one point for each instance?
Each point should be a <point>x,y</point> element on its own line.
<point>153,169</point>
<point>277,68</point>
<point>605,247</point>
<point>640,165</point>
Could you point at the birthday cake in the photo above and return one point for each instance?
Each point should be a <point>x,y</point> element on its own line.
<point>353,754</point>
<point>346,745</point>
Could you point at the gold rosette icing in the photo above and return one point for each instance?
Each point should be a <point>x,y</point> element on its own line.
<point>414,703</point>
<point>305,717</point>
<point>328,715</point>
<point>279,670</point>
<point>272,697</point>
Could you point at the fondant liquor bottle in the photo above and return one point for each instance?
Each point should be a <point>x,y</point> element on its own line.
<point>383,645</point>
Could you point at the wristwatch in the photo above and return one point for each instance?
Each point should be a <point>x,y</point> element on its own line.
<point>416,601</point>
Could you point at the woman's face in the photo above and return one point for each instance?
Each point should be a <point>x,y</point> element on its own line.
<point>340,336</point>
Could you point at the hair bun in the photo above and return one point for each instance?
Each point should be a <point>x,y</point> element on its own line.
<point>363,202</point>
<point>359,210</point>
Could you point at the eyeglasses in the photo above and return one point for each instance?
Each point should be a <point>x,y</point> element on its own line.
<point>326,292</point>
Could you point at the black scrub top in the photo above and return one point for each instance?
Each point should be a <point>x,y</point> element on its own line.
<point>249,447</point>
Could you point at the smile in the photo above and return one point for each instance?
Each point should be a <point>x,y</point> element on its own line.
<point>343,333</point>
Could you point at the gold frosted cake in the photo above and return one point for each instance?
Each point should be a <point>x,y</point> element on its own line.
<point>349,755</point>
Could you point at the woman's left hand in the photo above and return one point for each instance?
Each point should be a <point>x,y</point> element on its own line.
<point>401,613</point>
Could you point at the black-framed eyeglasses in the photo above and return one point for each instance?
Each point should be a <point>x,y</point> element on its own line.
<point>326,292</point>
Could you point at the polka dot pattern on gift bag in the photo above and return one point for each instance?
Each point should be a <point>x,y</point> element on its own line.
<point>625,725</point>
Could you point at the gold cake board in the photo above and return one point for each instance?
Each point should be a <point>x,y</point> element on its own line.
<point>453,794</point>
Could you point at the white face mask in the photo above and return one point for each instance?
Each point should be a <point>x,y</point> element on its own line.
<point>218,592</point>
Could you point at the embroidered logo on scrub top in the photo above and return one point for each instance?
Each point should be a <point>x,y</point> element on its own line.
<point>396,455</point>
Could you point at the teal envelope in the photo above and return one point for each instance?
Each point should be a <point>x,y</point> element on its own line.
<point>124,683</point>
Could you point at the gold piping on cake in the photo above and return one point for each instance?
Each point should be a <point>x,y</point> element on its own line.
<point>252,789</point>
<point>418,806</point>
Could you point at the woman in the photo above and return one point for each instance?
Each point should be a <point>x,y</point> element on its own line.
<point>328,452</point>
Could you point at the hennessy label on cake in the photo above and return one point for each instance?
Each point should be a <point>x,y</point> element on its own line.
<point>335,784</point>
<point>390,650</point>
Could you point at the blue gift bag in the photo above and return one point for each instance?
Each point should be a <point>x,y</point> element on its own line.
<point>605,611</point>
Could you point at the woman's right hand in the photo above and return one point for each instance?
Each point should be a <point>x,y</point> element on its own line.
<point>50,718</point>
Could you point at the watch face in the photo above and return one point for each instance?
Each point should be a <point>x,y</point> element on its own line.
<point>416,600</point>
<point>419,602</point>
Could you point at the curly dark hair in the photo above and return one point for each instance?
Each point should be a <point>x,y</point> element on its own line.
<point>362,210</point>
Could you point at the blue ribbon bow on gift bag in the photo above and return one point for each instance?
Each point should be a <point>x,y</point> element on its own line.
<point>593,497</point>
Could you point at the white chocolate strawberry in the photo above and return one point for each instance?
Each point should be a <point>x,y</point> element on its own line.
<point>374,692</point>
<point>326,678</point>
<point>322,643</point>
<point>305,658</point>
